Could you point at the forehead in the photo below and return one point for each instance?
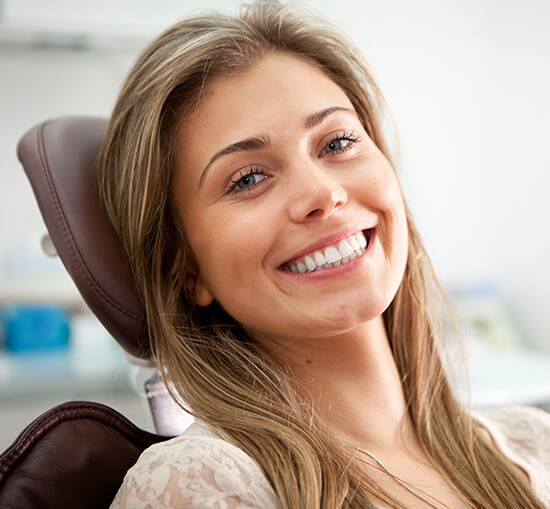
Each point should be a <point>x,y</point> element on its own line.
<point>273,96</point>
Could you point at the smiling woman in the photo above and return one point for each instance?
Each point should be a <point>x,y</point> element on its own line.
<point>298,170</point>
<point>289,301</point>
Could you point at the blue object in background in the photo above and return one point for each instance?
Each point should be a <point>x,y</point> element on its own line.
<point>2,329</point>
<point>36,329</point>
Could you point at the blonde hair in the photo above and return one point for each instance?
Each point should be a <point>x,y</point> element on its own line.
<point>221,373</point>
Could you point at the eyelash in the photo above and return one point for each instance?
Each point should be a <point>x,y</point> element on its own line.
<point>344,136</point>
<point>232,186</point>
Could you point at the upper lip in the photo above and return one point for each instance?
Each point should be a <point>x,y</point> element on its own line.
<point>325,242</point>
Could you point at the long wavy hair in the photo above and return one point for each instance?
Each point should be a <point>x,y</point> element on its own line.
<point>225,377</point>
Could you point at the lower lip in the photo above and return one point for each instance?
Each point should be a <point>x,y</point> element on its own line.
<point>318,275</point>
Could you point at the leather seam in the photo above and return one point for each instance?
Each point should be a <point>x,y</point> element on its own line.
<point>69,240</point>
<point>67,413</point>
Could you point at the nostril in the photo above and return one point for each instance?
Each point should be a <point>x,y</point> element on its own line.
<point>335,201</point>
<point>319,200</point>
<point>315,213</point>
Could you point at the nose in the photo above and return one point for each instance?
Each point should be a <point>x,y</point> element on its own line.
<point>318,194</point>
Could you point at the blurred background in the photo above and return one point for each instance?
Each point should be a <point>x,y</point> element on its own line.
<point>467,83</point>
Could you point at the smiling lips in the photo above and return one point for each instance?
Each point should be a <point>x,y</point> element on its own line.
<point>331,256</point>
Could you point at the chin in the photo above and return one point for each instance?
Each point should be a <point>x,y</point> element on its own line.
<point>345,318</point>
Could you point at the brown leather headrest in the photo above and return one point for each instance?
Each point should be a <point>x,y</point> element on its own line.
<point>74,455</point>
<point>59,157</point>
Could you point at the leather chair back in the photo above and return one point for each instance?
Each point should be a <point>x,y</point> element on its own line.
<point>59,157</point>
<point>74,455</point>
<point>77,454</point>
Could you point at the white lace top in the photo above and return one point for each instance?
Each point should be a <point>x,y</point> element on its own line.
<point>198,469</point>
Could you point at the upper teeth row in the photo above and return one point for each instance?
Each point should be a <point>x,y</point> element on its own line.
<point>332,256</point>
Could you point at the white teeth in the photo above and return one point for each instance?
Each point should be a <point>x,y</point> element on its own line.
<point>361,239</point>
<point>354,244</point>
<point>332,255</point>
<point>310,263</point>
<point>320,260</point>
<point>344,249</point>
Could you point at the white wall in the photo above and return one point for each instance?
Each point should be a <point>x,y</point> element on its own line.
<point>467,82</point>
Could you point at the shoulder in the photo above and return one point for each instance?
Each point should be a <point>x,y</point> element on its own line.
<point>195,469</point>
<point>523,435</point>
<point>528,426</point>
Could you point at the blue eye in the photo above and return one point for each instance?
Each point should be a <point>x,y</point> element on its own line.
<point>336,145</point>
<point>339,144</point>
<point>247,181</point>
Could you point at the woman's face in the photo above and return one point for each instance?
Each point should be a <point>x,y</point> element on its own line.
<point>278,187</point>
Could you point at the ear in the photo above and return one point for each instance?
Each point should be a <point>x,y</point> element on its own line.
<point>201,293</point>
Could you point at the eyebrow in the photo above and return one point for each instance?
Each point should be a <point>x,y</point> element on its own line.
<point>254,143</point>
<point>317,118</point>
<point>259,142</point>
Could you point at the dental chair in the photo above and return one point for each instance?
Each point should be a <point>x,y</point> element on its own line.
<point>76,454</point>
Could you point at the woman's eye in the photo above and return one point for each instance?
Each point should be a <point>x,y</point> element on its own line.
<point>339,144</point>
<point>336,145</point>
<point>247,181</point>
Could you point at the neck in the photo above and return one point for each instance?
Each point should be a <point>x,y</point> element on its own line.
<point>354,383</point>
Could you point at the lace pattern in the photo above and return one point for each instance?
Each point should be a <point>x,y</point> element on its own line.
<point>523,435</point>
<point>200,470</point>
<point>195,470</point>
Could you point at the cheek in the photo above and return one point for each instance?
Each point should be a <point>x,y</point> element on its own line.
<point>386,192</point>
<point>230,252</point>
<point>384,195</point>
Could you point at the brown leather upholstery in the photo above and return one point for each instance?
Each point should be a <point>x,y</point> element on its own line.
<point>74,456</point>
<point>59,158</point>
<point>77,454</point>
